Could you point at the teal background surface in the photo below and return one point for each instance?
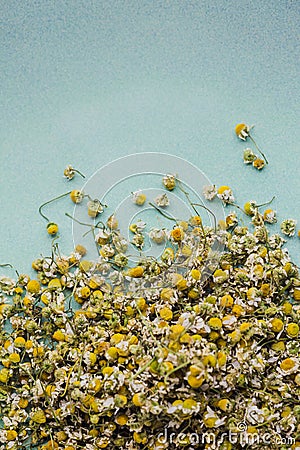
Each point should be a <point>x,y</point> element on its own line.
<point>85,82</point>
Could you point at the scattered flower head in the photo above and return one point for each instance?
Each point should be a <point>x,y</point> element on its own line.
<point>70,172</point>
<point>157,235</point>
<point>138,197</point>
<point>225,194</point>
<point>162,200</point>
<point>169,181</point>
<point>258,163</point>
<point>288,227</point>
<point>95,208</point>
<point>76,196</point>
<point>249,156</point>
<point>210,192</point>
<point>242,131</point>
<point>270,216</point>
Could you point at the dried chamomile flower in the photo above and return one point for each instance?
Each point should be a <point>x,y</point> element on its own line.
<point>137,227</point>
<point>258,163</point>
<point>257,219</point>
<point>112,222</point>
<point>52,228</point>
<point>249,156</point>
<point>231,220</point>
<point>210,192</point>
<point>169,181</point>
<point>76,196</point>
<point>177,234</point>
<point>138,197</point>
<point>70,172</point>
<point>270,216</point>
<point>250,207</point>
<point>225,194</point>
<point>102,237</point>
<point>158,235</point>
<point>242,131</point>
<point>121,260</point>
<point>138,240</point>
<point>95,208</point>
<point>162,200</point>
<point>288,227</point>
<point>6,284</point>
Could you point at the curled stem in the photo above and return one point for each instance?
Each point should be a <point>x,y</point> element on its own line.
<point>195,210</point>
<point>79,173</point>
<point>267,203</point>
<point>11,266</point>
<point>50,201</point>
<point>208,210</point>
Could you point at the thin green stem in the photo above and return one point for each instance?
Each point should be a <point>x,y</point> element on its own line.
<point>163,213</point>
<point>86,224</point>
<point>187,195</point>
<point>50,201</point>
<point>142,369</point>
<point>175,370</point>
<point>262,154</point>
<point>208,210</point>
<point>11,266</point>
<point>267,203</point>
<point>79,173</point>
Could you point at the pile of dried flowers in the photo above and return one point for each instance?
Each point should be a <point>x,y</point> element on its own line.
<point>193,355</point>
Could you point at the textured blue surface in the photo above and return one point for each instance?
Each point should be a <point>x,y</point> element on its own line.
<point>85,82</point>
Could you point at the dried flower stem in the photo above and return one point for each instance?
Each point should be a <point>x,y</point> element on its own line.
<point>50,201</point>
<point>258,149</point>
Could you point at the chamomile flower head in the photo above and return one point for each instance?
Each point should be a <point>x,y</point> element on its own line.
<point>242,131</point>
<point>52,228</point>
<point>250,207</point>
<point>138,226</point>
<point>138,197</point>
<point>138,240</point>
<point>210,192</point>
<point>288,227</point>
<point>70,173</point>
<point>249,156</point>
<point>169,181</point>
<point>95,208</point>
<point>258,163</point>
<point>76,196</point>
<point>177,234</point>
<point>225,194</point>
<point>162,200</point>
<point>270,215</point>
<point>158,235</point>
